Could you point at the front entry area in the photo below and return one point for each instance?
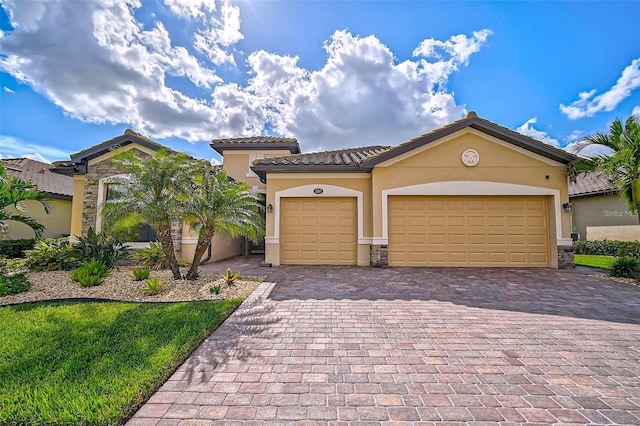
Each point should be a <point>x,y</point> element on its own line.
<point>318,231</point>
<point>469,231</point>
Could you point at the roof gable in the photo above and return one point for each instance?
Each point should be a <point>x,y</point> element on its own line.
<point>80,160</point>
<point>485,126</point>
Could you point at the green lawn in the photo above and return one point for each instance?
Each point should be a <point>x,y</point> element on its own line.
<point>594,261</point>
<point>94,363</point>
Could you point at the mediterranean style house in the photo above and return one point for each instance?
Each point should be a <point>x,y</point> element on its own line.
<point>59,189</point>
<point>472,193</point>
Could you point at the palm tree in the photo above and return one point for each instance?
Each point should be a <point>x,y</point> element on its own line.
<point>152,193</point>
<point>220,205</point>
<point>622,166</point>
<point>13,192</point>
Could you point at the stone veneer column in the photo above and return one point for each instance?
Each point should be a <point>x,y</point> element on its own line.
<point>565,257</point>
<point>379,255</point>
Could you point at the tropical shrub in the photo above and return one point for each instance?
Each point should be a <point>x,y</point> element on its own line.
<point>229,276</point>
<point>8,266</point>
<point>626,267</point>
<point>139,274</point>
<point>105,249</point>
<point>608,248</point>
<point>215,289</point>
<point>15,248</point>
<point>152,256</point>
<point>93,268</point>
<point>153,286</point>
<point>90,280</point>
<point>53,254</point>
<point>13,284</point>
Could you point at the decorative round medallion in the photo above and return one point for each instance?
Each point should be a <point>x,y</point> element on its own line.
<point>470,157</point>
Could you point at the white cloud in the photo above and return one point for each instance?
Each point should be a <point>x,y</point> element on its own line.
<point>8,89</point>
<point>636,111</point>
<point>112,69</point>
<point>587,105</point>
<point>11,147</point>
<point>215,161</point>
<point>528,130</point>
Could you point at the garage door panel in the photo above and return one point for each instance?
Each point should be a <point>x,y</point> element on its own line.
<point>318,231</point>
<point>468,231</point>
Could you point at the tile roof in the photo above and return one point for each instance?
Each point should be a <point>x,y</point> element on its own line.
<point>39,173</point>
<point>591,183</point>
<point>128,135</point>
<point>347,158</point>
<point>257,142</point>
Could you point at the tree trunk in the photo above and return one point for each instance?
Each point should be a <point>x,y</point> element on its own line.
<point>203,243</point>
<point>164,235</point>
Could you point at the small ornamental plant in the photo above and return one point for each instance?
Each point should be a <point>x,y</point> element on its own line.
<point>215,289</point>
<point>153,286</point>
<point>229,277</point>
<point>139,274</point>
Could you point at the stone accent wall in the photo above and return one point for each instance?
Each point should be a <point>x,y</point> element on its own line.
<point>565,257</point>
<point>379,256</point>
<point>99,171</point>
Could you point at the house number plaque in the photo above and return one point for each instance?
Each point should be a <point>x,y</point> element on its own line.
<point>318,191</point>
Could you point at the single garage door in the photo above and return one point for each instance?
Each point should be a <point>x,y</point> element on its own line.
<point>468,231</point>
<point>318,231</point>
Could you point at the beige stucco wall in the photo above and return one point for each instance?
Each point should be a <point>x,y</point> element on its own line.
<point>57,223</point>
<point>615,233</point>
<point>237,162</point>
<point>499,163</point>
<point>222,248</point>
<point>278,182</point>
<point>602,211</point>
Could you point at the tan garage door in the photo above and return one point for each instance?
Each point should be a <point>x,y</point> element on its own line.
<point>318,231</point>
<point>468,231</point>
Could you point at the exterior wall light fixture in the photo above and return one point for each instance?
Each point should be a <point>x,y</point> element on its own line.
<point>568,207</point>
<point>269,208</point>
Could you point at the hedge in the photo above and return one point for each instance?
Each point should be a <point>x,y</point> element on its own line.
<point>15,248</point>
<point>608,248</point>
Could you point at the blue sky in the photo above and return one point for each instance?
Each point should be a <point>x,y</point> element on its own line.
<point>332,74</point>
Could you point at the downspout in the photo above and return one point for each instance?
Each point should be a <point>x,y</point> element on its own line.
<point>208,258</point>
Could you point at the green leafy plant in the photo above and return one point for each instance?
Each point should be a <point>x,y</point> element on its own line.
<point>15,248</point>
<point>94,268</point>
<point>229,276</point>
<point>8,266</point>
<point>53,254</point>
<point>90,280</point>
<point>152,256</point>
<point>626,267</point>
<point>215,289</point>
<point>153,286</point>
<point>140,274</point>
<point>105,249</point>
<point>13,284</point>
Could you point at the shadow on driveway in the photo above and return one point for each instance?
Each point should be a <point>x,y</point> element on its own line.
<point>532,290</point>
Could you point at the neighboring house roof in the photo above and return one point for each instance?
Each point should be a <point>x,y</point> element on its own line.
<point>591,183</point>
<point>79,160</point>
<point>255,142</point>
<point>40,175</point>
<point>365,159</point>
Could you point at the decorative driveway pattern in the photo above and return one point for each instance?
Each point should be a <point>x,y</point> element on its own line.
<point>342,345</point>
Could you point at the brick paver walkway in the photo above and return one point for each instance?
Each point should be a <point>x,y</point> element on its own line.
<point>340,345</point>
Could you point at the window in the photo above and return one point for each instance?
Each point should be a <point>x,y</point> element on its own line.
<point>144,232</point>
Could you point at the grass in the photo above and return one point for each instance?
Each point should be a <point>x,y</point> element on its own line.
<point>594,261</point>
<point>94,363</point>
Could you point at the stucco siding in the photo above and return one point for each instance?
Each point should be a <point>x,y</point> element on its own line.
<point>57,223</point>
<point>600,210</point>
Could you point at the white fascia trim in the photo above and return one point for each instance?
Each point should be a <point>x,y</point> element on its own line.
<point>469,188</point>
<point>337,175</point>
<point>102,194</point>
<point>307,191</point>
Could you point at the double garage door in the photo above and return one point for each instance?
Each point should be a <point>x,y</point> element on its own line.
<point>468,231</point>
<point>423,231</point>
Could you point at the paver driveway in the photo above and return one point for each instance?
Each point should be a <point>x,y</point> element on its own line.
<point>345,345</point>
